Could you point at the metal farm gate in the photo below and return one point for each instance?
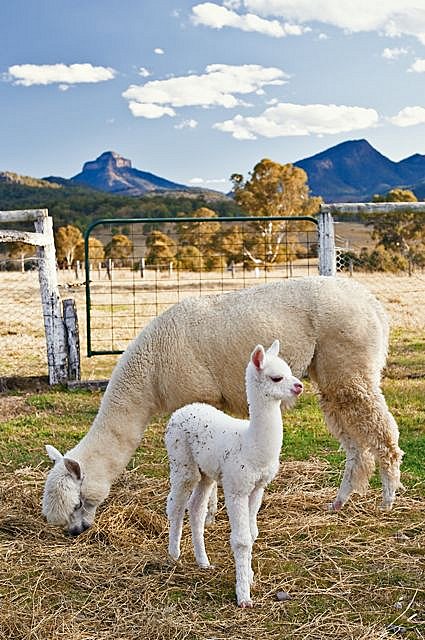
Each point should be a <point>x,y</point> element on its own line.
<point>136,268</point>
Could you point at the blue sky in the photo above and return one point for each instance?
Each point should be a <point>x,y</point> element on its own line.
<point>195,91</point>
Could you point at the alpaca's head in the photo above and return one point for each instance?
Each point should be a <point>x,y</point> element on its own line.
<point>63,501</point>
<point>271,377</point>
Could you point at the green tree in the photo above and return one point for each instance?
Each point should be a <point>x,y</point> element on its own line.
<point>204,236</point>
<point>402,232</point>
<point>273,189</point>
<point>161,248</point>
<point>120,248</point>
<point>189,258</point>
<point>66,240</point>
<point>199,234</point>
<point>96,250</point>
<point>20,251</point>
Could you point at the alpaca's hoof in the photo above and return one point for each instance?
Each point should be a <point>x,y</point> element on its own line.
<point>386,505</point>
<point>208,566</point>
<point>174,556</point>
<point>336,505</point>
<point>246,604</point>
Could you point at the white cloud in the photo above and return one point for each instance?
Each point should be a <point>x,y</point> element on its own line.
<point>196,181</point>
<point>207,181</point>
<point>187,124</point>
<point>287,119</point>
<point>159,51</point>
<point>418,66</point>
<point>143,72</point>
<point>216,16</point>
<point>394,53</point>
<point>390,17</point>
<point>323,36</point>
<point>44,74</point>
<point>218,86</point>
<point>150,111</point>
<point>408,117</point>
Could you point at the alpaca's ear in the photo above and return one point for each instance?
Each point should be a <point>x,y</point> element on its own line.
<point>274,349</point>
<point>257,357</point>
<point>53,453</point>
<point>73,468</point>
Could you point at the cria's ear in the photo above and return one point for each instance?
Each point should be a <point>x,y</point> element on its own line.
<point>274,349</point>
<point>73,468</point>
<point>257,357</point>
<point>53,453</point>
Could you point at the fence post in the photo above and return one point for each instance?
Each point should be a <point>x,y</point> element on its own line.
<point>327,251</point>
<point>70,319</point>
<point>50,300</point>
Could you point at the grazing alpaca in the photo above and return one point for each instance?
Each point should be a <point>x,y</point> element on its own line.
<point>331,328</point>
<point>206,445</point>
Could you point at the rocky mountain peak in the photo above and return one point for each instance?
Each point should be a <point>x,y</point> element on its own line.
<point>108,160</point>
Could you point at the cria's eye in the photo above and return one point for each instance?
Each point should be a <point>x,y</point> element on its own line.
<point>276,378</point>
<point>78,506</point>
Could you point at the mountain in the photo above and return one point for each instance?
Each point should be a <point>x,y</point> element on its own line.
<point>112,173</point>
<point>354,171</point>
<point>7,177</point>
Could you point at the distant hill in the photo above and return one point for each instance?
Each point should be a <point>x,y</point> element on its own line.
<point>7,177</point>
<point>69,202</point>
<point>354,171</point>
<point>112,173</point>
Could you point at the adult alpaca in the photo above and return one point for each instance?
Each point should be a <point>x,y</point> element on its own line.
<point>331,328</point>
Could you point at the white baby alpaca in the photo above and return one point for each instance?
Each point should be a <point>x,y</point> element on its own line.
<point>206,446</point>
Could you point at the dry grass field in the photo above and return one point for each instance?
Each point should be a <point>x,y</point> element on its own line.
<point>358,574</point>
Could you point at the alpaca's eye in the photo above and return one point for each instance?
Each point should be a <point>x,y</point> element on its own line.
<point>78,506</point>
<point>276,378</point>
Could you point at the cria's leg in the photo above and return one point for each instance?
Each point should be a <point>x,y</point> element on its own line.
<point>176,507</point>
<point>241,542</point>
<point>255,500</point>
<point>198,505</point>
<point>212,505</point>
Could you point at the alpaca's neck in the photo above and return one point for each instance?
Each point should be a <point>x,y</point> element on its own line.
<point>125,410</point>
<point>265,430</point>
<point>111,441</point>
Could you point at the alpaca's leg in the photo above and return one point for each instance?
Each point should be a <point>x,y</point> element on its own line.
<point>241,542</point>
<point>359,416</point>
<point>198,505</point>
<point>255,500</point>
<point>359,466</point>
<point>389,459</point>
<point>212,505</point>
<point>176,507</point>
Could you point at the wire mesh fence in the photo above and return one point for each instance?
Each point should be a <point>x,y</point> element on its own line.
<point>22,337</point>
<point>154,264</point>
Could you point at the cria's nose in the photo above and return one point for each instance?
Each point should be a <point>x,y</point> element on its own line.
<point>298,388</point>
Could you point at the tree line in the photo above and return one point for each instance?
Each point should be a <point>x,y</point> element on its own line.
<point>270,189</point>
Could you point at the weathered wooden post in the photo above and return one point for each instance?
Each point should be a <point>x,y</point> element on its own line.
<point>327,251</point>
<point>50,300</point>
<point>70,319</point>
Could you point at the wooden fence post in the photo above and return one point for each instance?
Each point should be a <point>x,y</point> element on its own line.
<point>70,319</point>
<point>50,300</point>
<point>327,251</point>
